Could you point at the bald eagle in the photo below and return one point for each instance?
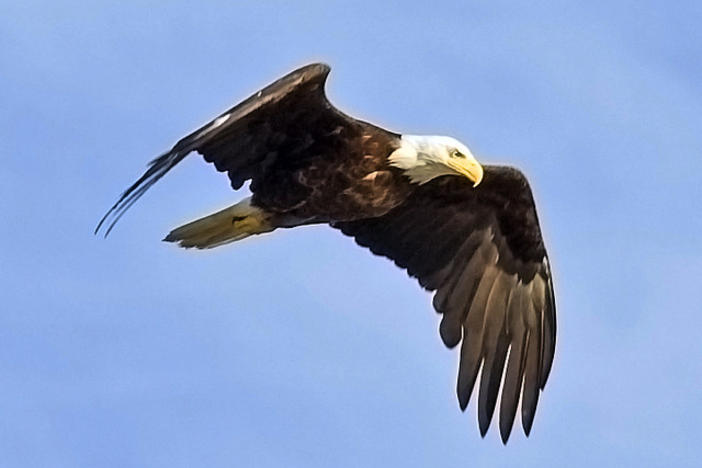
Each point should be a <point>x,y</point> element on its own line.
<point>467,232</point>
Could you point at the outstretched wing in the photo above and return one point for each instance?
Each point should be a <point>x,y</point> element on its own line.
<point>284,118</point>
<point>481,250</point>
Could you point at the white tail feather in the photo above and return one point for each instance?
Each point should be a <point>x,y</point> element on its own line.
<point>231,224</point>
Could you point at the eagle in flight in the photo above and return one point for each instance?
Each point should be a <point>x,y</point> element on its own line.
<point>467,232</point>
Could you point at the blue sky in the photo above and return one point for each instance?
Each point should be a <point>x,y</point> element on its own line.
<point>299,348</point>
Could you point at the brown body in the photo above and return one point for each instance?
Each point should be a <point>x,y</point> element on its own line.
<point>326,188</point>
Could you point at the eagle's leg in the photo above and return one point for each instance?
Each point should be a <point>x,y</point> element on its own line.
<point>231,224</point>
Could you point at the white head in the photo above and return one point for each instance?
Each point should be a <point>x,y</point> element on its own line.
<point>423,158</point>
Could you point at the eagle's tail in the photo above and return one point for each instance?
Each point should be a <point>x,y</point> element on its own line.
<point>231,224</point>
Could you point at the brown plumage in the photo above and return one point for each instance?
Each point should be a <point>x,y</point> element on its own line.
<point>479,248</point>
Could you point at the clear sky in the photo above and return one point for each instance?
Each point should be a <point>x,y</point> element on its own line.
<point>299,348</point>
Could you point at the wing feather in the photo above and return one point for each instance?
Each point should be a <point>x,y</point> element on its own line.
<point>453,298</point>
<point>282,118</point>
<point>549,334</point>
<point>515,365</point>
<point>530,395</point>
<point>495,347</point>
<point>472,336</point>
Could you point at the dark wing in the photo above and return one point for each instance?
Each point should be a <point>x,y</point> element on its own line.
<point>481,250</point>
<point>285,118</point>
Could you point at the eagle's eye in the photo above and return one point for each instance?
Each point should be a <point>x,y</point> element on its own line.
<point>457,154</point>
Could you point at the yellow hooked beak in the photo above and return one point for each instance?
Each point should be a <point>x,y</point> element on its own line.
<point>468,167</point>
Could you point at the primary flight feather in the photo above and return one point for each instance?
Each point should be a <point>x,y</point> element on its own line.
<point>467,232</point>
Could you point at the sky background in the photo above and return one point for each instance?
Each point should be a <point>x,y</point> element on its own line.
<point>299,348</point>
